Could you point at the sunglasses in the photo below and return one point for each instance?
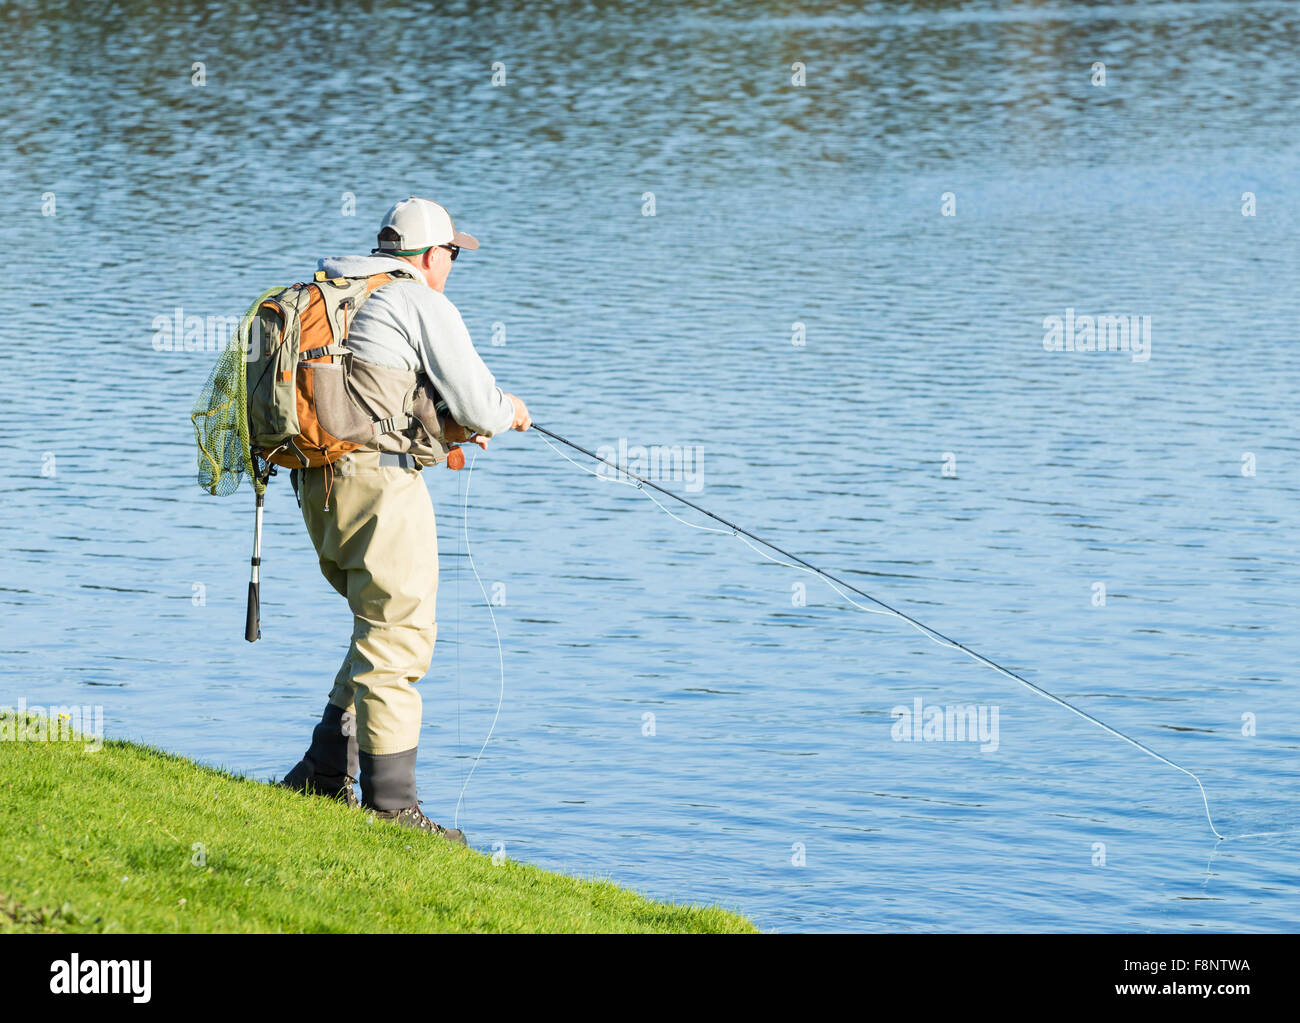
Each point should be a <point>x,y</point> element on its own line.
<point>453,249</point>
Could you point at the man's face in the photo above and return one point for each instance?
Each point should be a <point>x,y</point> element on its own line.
<point>437,268</point>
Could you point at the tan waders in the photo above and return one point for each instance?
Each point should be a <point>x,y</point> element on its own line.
<point>371,521</point>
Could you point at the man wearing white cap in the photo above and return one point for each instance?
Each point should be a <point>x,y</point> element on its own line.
<point>371,521</point>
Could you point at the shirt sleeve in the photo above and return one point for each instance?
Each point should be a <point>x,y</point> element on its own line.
<point>453,365</point>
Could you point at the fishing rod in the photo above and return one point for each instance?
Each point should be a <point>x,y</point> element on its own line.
<point>933,634</point>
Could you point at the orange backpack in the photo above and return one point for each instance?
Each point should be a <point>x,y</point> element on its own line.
<point>302,407</point>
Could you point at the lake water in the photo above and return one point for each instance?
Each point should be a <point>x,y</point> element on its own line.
<point>921,443</point>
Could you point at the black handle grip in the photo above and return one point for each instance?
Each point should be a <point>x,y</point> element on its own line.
<point>253,623</point>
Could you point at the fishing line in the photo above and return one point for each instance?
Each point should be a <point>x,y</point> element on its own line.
<point>839,585</point>
<point>501,660</point>
<point>461,484</point>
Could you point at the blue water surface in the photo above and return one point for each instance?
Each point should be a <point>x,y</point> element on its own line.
<point>677,714</point>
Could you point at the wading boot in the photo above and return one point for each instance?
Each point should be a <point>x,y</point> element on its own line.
<point>329,768</point>
<point>303,777</point>
<point>413,817</point>
<point>388,792</point>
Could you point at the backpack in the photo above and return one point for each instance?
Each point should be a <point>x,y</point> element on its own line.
<point>303,411</point>
<point>287,391</point>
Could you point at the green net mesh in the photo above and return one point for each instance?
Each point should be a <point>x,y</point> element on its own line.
<point>220,416</point>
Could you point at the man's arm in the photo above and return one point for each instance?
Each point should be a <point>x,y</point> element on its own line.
<point>453,365</point>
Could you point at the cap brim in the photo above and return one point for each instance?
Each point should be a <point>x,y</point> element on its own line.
<point>464,241</point>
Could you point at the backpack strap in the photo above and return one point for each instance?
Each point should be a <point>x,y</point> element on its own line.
<point>343,297</point>
<point>393,424</point>
<point>347,309</point>
<point>316,353</point>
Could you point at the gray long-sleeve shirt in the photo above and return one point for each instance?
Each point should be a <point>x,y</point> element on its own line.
<point>408,325</point>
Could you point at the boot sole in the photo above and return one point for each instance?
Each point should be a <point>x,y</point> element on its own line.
<point>445,833</point>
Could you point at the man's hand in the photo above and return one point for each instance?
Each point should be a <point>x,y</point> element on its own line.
<point>522,419</point>
<point>457,434</point>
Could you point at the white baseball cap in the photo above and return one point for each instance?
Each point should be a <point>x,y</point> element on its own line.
<point>421,224</point>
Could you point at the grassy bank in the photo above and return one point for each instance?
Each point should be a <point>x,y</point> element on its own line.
<point>133,839</point>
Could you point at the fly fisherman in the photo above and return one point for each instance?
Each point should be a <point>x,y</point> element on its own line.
<point>371,521</point>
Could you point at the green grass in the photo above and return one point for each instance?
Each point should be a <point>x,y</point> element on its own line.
<point>132,839</point>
